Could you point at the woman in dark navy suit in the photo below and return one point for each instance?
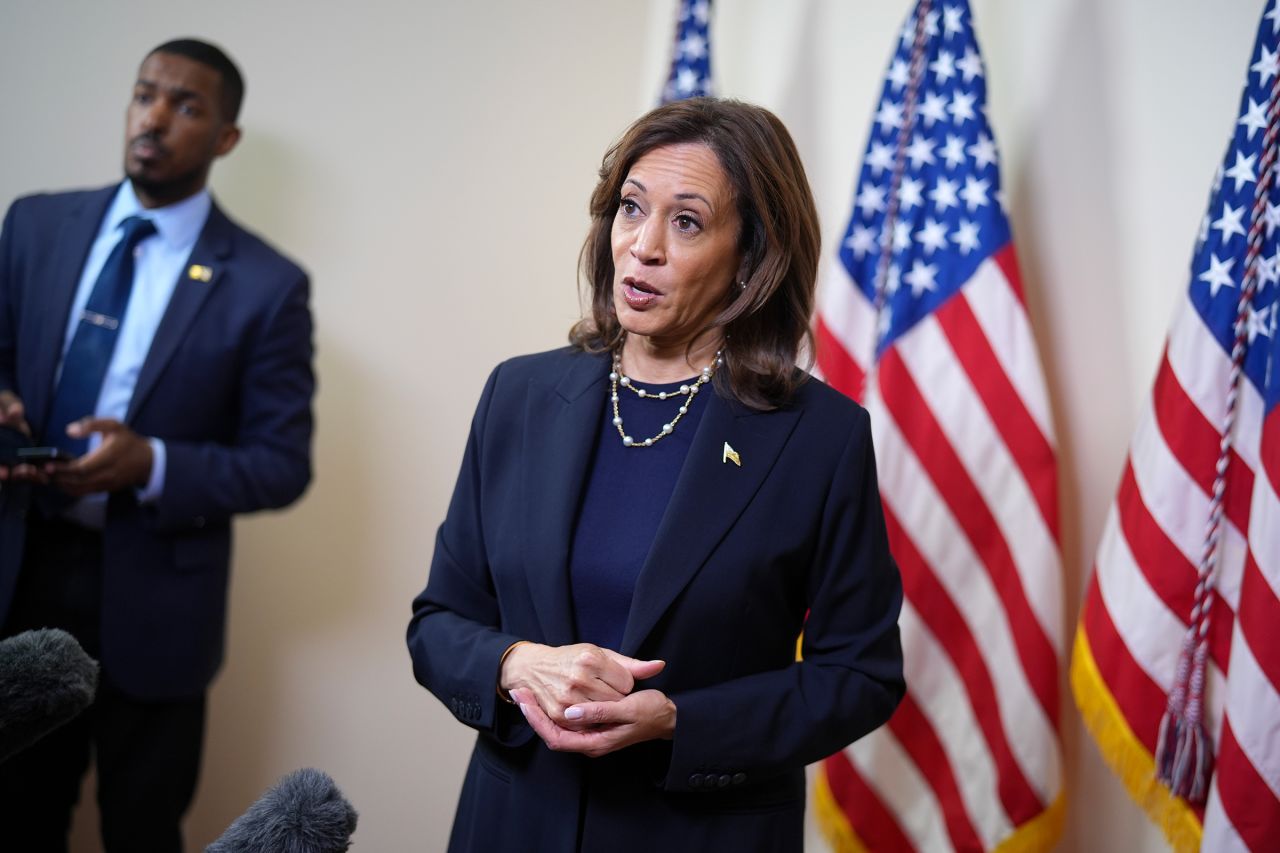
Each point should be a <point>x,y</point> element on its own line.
<point>646,520</point>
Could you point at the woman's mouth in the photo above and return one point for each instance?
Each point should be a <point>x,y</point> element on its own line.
<point>639,294</point>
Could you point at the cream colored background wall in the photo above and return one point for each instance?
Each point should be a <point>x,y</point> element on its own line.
<point>429,162</point>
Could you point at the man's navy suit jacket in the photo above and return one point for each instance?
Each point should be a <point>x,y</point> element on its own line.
<point>745,557</point>
<point>227,385</point>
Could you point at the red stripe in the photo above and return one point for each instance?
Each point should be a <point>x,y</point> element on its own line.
<point>1194,441</point>
<point>939,612</point>
<point>930,443</point>
<point>1168,572</point>
<point>1140,699</point>
<point>921,742</point>
<point>1270,449</point>
<point>1027,445</point>
<point>1007,259</point>
<point>1260,615</point>
<point>876,826</point>
<point>1247,800</point>
<point>838,368</point>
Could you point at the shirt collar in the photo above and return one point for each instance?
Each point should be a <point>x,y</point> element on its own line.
<point>178,224</point>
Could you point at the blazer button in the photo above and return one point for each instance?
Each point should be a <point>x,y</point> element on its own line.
<point>695,781</point>
<point>724,780</point>
<point>739,778</point>
<point>199,521</point>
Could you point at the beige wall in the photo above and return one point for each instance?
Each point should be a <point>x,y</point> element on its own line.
<point>429,162</point>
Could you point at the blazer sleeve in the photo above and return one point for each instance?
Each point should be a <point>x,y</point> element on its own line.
<point>268,464</point>
<point>8,308</point>
<point>455,637</point>
<point>849,679</point>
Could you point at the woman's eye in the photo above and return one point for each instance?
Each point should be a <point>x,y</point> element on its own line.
<point>628,207</point>
<point>687,223</point>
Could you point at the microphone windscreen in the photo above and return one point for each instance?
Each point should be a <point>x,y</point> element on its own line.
<point>304,813</point>
<point>46,679</point>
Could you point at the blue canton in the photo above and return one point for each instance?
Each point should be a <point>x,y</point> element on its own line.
<point>950,214</point>
<point>691,55</point>
<point>1218,266</point>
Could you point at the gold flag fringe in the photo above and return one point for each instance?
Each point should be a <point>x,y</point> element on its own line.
<point>1126,755</point>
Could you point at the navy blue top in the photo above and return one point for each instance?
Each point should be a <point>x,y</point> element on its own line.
<point>627,492</point>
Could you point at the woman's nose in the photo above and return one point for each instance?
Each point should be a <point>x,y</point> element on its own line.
<point>648,247</point>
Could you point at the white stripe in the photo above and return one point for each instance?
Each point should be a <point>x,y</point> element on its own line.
<point>1181,508</point>
<point>1004,321</point>
<point>1254,709</point>
<point>964,418</point>
<point>906,488</point>
<point>1219,836</point>
<point>939,691</point>
<point>885,766</point>
<point>1152,633</point>
<point>1264,529</point>
<point>846,312</point>
<point>1202,368</point>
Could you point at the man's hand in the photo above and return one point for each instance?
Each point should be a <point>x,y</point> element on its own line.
<point>122,461</point>
<point>559,676</point>
<point>14,416</point>
<point>610,726</point>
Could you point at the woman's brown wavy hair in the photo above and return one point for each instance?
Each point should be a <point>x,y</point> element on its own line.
<point>766,324</point>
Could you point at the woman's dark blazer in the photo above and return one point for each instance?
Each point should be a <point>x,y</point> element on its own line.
<point>742,554</point>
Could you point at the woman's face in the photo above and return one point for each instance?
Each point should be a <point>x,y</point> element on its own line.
<point>675,244</point>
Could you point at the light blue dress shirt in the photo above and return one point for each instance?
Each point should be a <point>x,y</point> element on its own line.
<point>159,261</point>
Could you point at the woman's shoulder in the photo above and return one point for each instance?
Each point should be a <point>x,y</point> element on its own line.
<point>821,403</point>
<point>551,364</point>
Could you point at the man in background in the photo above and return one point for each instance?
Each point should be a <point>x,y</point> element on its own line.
<point>167,353</point>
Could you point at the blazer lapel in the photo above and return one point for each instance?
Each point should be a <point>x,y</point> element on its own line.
<point>198,278</point>
<point>710,494</point>
<point>561,423</point>
<point>75,238</point>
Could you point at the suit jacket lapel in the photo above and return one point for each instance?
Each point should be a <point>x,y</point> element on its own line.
<point>197,280</point>
<point>561,423</point>
<point>709,496</point>
<point>75,238</point>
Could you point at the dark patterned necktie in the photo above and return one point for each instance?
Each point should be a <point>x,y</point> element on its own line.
<point>94,340</point>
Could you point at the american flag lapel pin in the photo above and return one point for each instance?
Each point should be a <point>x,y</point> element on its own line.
<point>199,272</point>
<point>730,455</point>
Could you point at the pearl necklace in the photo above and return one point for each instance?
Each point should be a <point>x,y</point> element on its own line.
<point>617,377</point>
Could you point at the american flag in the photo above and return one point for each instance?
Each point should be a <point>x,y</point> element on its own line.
<point>921,317</point>
<point>691,54</point>
<point>1191,547</point>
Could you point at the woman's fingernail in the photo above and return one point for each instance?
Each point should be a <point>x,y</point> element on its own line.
<point>524,710</point>
<point>574,713</point>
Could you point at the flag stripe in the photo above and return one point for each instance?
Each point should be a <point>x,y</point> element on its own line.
<point>943,700</point>
<point>1137,695</point>
<point>1170,575</point>
<point>1247,802</point>
<point>937,611</point>
<point>1259,614</point>
<point>945,389</point>
<point>927,440</point>
<point>838,369</point>
<point>873,822</point>
<point>1203,369</point>
<point>1181,507</point>
<point>1252,700</point>
<point>905,792</point>
<point>918,739</point>
<point>994,295</point>
<point>1194,441</point>
<point>1015,425</point>
<point>909,493</point>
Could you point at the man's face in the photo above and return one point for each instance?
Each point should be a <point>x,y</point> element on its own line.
<point>174,128</point>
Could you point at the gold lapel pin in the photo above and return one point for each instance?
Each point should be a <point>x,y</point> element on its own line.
<point>199,272</point>
<point>731,455</point>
